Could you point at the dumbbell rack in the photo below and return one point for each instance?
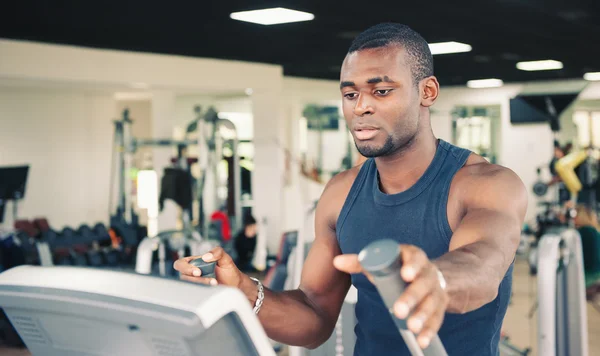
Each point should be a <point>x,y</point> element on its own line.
<point>86,246</point>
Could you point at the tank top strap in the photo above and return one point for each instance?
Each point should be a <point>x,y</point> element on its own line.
<point>359,182</point>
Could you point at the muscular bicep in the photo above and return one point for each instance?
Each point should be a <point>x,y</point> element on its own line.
<point>324,285</point>
<point>495,210</point>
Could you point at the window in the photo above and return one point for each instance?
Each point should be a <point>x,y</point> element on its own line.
<point>477,129</point>
<point>588,127</point>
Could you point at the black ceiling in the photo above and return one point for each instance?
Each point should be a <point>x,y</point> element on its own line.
<point>502,32</point>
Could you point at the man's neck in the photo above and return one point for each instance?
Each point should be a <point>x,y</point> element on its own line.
<point>402,170</point>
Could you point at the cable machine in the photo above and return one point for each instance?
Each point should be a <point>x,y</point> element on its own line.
<point>208,131</point>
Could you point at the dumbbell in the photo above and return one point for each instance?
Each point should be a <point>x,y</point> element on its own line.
<point>94,258</point>
<point>65,261</point>
<point>101,232</point>
<point>49,236</point>
<point>540,189</point>
<point>86,233</point>
<point>112,257</point>
<point>78,260</point>
<point>68,232</point>
<point>381,259</point>
<point>207,269</point>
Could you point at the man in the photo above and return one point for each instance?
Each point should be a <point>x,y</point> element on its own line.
<point>245,244</point>
<point>457,216</point>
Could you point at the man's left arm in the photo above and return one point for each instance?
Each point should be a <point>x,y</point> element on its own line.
<point>484,244</point>
<point>482,248</point>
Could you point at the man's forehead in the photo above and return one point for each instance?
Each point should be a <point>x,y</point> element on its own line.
<point>375,61</point>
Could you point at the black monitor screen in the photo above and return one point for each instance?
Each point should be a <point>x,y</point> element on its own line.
<point>12,182</point>
<point>544,108</point>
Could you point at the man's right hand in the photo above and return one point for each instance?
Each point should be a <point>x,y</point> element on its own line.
<point>226,272</point>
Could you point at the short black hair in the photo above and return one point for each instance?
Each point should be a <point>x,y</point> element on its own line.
<point>249,220</point>
<point>387,34</point>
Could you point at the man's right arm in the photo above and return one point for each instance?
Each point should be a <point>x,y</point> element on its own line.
<point>305,316</point>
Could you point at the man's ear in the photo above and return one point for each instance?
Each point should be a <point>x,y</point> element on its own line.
<point>430,91</point>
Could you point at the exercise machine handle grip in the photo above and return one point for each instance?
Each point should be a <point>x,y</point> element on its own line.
<point>207,269</point>
<point>381,259</point>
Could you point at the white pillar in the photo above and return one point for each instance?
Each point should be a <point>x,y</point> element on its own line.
<point>163,122</point>
<point>268,175</point>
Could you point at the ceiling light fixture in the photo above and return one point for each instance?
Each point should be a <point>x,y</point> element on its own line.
<point>592,76</point>
<point>485,83</point>
<point>272,16</point>
<point>449,47</point>
<point>540,65</point>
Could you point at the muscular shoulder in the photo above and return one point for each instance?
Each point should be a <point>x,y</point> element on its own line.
<point>335,193</point>
<point>480,184</point>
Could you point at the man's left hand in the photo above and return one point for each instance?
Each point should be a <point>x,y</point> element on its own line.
<point>424,299</point>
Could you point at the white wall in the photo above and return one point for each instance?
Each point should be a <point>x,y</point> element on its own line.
<point>299,192</point>
<point>28,64</point>
<point>65,137</point>
<point>36,61</point>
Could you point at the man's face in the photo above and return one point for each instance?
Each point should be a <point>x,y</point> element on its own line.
<point>251,230</point>
<point>380,101</point>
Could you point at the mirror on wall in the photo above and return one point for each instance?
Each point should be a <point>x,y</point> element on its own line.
<point>326,146</point>
<point>477,128</point>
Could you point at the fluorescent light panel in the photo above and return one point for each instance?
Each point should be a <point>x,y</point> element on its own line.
<point>449,47</point>
<point>540,65</point>
<point>485,83</point>
<point>592,76</point>
<point>272,16</point>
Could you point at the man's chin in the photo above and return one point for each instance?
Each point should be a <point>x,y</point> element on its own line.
<point>370,151</point>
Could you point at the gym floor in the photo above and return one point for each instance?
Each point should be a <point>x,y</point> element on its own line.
<point>517,325</point>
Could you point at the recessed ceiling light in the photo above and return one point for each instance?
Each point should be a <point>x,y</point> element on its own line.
<point>592,76</point>
<point>272,16</point>
<point>540,65</point>
<point>449,47</point>
<point>485,83</point>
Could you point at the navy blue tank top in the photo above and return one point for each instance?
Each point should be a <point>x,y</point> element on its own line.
<point>417,216</point>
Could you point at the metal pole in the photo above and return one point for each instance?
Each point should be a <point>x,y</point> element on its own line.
<point>575,307</point>
<point>217,157</point>
<point>548,257</point>
<point>128,150</point>
<point>203,165</point>
<point>237,183</point>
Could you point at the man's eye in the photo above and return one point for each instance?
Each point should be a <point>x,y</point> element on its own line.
<point>383,91</point>
<point>350,95</point>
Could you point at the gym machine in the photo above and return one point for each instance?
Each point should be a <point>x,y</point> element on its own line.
<point>209,141</point>
<point>381,259</point>
<point>185,243</point>
<point>13,181</point>
<point>80,311</point>
<point>562,313</point>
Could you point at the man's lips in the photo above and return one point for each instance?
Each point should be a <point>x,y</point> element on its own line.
<point>363,132</point>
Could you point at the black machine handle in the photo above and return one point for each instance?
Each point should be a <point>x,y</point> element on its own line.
<point>382,260</point>
<point>207,269</point>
